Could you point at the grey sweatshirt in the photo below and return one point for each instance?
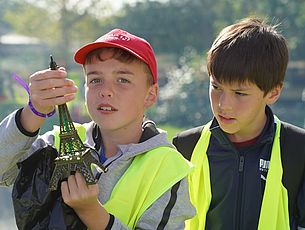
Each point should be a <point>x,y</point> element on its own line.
<point>16,145</point>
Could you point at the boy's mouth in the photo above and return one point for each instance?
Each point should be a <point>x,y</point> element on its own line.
<point>225,118</point>
<point>106,108</point>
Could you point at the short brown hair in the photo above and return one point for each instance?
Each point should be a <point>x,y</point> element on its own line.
<point>120,55</point>
<point>249,51</point>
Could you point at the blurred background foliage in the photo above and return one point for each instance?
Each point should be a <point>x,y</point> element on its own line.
<point>181,32</point>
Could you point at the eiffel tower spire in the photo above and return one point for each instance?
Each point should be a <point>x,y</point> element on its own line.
<point>72,155</point>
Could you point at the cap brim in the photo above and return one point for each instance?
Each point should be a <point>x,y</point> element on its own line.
<point>81,54</point>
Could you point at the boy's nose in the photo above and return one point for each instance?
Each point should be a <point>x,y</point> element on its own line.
<point>106,91</point>
<point>105,95</point>
<point>224,102</point>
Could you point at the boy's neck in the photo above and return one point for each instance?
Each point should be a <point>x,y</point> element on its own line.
<point>252,134</point>
<point>112,139</point>
<point>245,144</point>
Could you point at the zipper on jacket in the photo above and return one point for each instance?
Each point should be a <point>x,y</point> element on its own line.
<point>241,164</point>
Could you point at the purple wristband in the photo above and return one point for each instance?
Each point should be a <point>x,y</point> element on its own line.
<point>50,114</point>
<point>26,87</point>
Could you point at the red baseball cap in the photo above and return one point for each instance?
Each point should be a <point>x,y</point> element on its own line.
<point>118,38</point>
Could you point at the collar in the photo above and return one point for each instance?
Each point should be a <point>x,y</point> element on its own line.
<point>149,130</point>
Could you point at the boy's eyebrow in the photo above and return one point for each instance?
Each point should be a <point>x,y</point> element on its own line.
<point>240,88</point>
<point>124,71</point>
<point>120,71</point>
<point>93,73</point>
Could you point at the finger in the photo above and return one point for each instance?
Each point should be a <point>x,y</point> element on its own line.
<point>50,83</point>
<point>53,92</point>
<point>81,182</point>
<point>61,68</point>
<point>72,183</point>
<point>93,188</point>
<point>48,74</point>
<point>60,100</point>
<point>48,104</point>
<point>65,192</point>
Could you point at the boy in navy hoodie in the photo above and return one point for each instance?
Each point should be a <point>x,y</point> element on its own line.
<point>249,166</point>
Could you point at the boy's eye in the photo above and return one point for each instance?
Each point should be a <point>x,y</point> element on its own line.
<point>240,94</point>
<point>95,81</point>
<point>214,86</point>
<point>123,80</point>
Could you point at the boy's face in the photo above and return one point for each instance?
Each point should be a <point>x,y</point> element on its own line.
<point>117,93</point>
<point>240,108</point>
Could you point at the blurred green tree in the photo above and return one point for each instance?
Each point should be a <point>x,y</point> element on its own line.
<point>62,24</point>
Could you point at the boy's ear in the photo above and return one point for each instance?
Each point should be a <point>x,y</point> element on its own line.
<point>274,94</point>
<point>152,96</point>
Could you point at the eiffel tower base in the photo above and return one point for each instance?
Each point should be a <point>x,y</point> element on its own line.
<point>67,165</point>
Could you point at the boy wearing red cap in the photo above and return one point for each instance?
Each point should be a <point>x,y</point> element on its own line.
<point>145,185</point>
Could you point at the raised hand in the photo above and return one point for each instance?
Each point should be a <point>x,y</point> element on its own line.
<point>49,88</point>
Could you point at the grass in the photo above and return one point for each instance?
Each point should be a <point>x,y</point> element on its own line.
<point>171,130</point>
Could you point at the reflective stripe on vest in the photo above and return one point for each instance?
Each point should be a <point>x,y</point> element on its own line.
<point>146,179</point>
<point>274,214</point>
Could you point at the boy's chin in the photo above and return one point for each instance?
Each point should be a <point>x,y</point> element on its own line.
<point>228,128</point>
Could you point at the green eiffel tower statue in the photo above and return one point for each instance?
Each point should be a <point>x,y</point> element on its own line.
<point>73,155</point>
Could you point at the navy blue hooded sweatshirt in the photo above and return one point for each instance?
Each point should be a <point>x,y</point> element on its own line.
<point>238,176</point>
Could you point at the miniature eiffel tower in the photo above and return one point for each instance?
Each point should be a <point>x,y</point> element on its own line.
<point>72,155</point>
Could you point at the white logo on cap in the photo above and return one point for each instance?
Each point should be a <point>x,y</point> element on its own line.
<point>116,37</point>
<point>123,37</point>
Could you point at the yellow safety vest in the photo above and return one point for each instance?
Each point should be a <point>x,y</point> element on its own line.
<point>146,179</point>
<point>274,214</point>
